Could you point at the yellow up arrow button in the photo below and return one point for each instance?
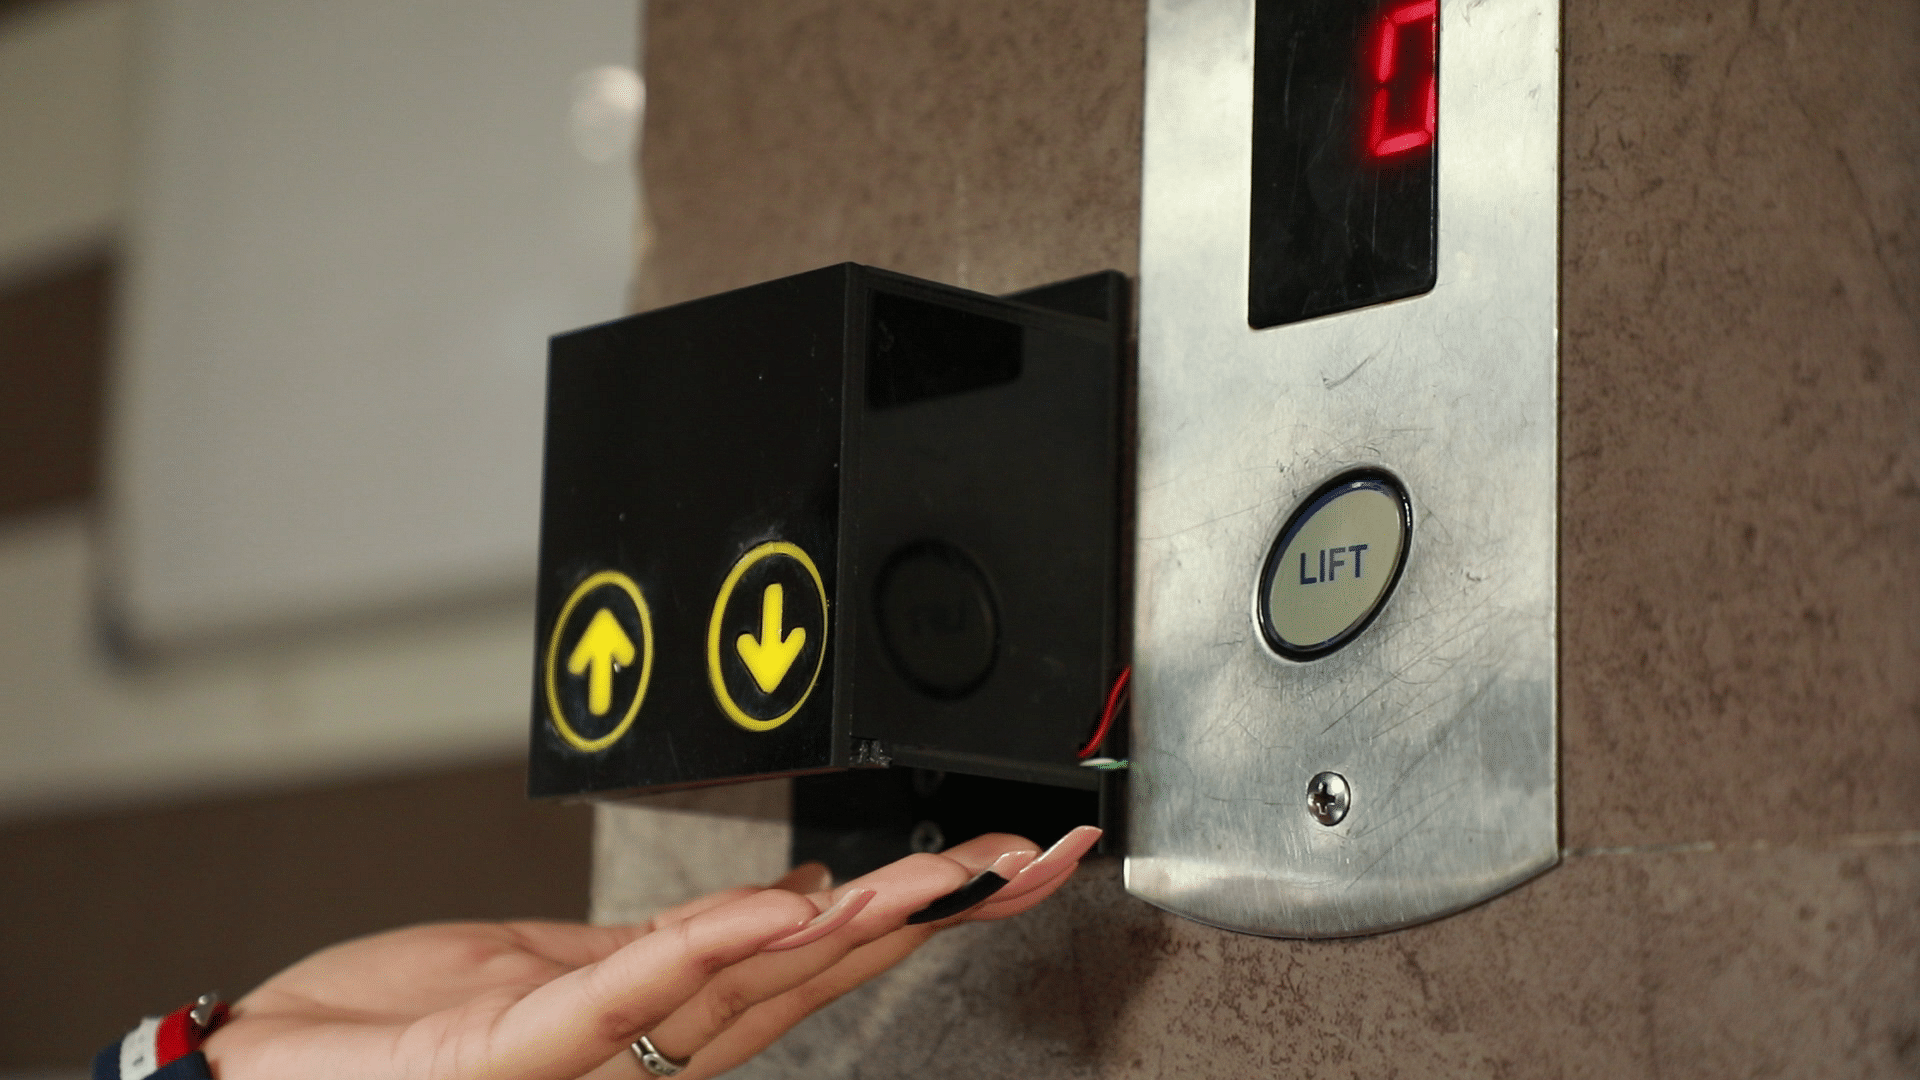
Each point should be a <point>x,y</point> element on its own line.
<point>603,646</point>
<point>770,657</point>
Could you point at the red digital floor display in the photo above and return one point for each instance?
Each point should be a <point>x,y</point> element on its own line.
<point>1345,139</point>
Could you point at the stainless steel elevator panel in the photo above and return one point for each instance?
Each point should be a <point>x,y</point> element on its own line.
<point>1437,718</point>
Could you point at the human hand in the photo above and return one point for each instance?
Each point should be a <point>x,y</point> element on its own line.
<point>716,980</point>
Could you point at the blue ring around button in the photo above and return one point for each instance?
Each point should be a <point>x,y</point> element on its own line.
<point>1370,478</point>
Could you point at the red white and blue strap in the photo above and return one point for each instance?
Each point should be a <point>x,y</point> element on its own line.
<point>164,1047</point>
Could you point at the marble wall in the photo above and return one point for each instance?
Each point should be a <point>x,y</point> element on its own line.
<point>1740,521</point>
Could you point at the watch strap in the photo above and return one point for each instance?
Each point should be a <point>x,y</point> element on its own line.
<point>164,1047</point>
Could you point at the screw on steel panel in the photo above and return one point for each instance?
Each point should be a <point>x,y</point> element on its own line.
<point>1328,798</point>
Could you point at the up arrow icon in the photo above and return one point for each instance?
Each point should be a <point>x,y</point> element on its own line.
<point>601,649</point>
<point>770,657</point>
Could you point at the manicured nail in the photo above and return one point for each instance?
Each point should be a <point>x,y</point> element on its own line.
<point>984,884</point>
<point>824,923</point>
<point>1063,854</point>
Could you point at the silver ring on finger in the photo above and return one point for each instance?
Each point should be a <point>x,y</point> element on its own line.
<point>655,1062</point>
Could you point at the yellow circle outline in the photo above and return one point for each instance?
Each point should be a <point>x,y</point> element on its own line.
<point>727,704</point>
<point>604,577</point>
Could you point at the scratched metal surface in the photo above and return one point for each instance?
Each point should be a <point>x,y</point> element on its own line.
<point>1441,715</point>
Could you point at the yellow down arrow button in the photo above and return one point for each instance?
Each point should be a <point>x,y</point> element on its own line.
<point>770,657</point>
<point>767,639</point>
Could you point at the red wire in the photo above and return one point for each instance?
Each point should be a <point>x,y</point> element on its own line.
<point>1114,697</point>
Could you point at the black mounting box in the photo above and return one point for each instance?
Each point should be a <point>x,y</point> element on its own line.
<point>844,518</point>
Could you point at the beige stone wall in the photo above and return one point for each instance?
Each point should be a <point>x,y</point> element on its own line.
<point>1740,522</point>
<point>993,144</point>
<point>1740,442</point>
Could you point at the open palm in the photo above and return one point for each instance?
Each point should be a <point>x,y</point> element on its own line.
<point>715,980</point>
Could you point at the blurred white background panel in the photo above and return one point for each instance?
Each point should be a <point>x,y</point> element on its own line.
<point>353,226</point>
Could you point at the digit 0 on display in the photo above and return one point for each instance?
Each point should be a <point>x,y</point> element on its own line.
<point>1346,104</point>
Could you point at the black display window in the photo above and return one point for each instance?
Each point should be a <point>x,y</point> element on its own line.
<point>1345,141</point>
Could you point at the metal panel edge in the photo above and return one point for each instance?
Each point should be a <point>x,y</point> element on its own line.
<point>1443,714</point>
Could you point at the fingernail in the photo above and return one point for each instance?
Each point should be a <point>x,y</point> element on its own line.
<point>1009,865</point>
<point>1064,853</point>
<point>984,884</point>
<point>824,923</point>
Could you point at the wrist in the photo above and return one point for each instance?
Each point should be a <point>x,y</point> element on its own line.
<point>164,1047</point>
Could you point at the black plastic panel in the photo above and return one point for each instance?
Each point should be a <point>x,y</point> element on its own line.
<point>666,464</point>
<point>860,820</point>
<point>1018,484</point>
<point>918,350</point>
<point>833,520</point>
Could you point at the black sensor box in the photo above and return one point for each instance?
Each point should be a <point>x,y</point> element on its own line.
<point>844,518</point>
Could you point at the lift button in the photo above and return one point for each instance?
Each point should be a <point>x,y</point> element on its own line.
<point>1334,565</point>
